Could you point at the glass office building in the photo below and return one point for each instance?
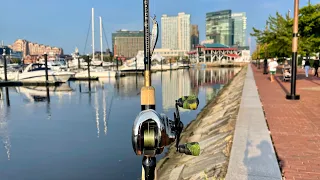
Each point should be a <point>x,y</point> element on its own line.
<point>240,27</point>
<point>219,27</point>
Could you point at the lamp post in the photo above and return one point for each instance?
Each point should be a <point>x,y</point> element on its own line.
<point>293,95</point>
<point>265,61</point>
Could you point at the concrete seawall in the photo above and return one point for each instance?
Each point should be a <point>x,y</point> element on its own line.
<point>213,129</point>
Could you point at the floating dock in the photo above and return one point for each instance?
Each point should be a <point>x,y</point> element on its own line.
<point>19,83</point>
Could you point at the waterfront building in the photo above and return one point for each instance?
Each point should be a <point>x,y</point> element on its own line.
<point>194,36</point>
<point>219,27</point>
<point>239,28</point>
<point>220,53</point>
<point>34,49</point>
<point>127,43</point>
<point>176,31</point>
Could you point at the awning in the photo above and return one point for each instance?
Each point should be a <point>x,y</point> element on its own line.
<point>232,55</point>
<point>192,52</point>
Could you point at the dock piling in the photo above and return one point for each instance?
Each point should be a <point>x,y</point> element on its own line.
<point>5,64</point>
<point>89,78</point>
<point>46,66</point>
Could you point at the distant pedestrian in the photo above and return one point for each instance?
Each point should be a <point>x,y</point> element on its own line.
<point>272,68</point>
<point>316,66</point>
<point>303,62</point>
<point>307,67</point>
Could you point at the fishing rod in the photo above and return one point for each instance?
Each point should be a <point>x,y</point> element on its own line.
<point>153,131</point>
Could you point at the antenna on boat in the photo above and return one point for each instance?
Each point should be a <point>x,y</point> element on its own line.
<point>101,47</point>
<point>93,34</point>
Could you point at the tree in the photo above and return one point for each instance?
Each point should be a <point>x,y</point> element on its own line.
<point>278,36</point>
<point>16,60</point>
<point>309,29</point>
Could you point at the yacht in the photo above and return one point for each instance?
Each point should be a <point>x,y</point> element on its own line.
<point>98,72</point>
<point>11,73</point>
<point>35,72</point>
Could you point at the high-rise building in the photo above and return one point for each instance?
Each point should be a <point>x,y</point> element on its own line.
<point>194,36</point>
<point>219,27</point>
<point>169,32</point>
<point>127,43</point>
<point>176,32</point>
<point>240,28</point>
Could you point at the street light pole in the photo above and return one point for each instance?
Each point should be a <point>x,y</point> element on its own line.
<point>293,95</point>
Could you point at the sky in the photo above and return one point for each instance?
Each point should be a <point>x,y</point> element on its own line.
<point>65,23</point>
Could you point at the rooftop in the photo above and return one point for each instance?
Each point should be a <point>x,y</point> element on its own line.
<point>215,45</point>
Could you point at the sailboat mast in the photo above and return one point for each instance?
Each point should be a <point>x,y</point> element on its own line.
<point>92,34</point>
<point>101,48</point>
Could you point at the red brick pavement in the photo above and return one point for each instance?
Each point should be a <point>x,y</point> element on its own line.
<point>294,125</point>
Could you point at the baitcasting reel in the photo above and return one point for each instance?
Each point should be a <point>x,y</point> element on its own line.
<point>153,131</point>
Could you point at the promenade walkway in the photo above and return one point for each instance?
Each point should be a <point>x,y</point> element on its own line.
<point>252,154</point>
<point>294,125</point>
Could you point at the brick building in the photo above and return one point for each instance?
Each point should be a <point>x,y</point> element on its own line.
<point>33,49</point>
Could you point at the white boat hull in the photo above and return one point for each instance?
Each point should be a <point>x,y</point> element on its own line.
<point>102,74</point>
<point>41,77</point>
<point>10,76</point>
<point>164,67</point>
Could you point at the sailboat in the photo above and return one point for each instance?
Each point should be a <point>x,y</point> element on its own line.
<point>137,63</point>
<point>97,72</point>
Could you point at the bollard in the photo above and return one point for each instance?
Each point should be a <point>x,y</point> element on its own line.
<point>89,80</point>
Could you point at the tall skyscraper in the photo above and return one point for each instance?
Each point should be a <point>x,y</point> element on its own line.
<point>169,32</point>
<point>194,36</point>
<point>176,32</point>
<point>240,28</point>
<point>219,27</point>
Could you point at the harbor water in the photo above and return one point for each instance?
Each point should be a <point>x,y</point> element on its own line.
<point>77,134</point>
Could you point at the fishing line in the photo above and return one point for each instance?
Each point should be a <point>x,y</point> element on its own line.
<point>105,37</point>
<point>148,136</point>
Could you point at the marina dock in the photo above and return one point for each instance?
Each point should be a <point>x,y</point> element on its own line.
<point>19,83</point>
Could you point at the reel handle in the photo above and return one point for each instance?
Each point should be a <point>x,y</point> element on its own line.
<point>192,148</point>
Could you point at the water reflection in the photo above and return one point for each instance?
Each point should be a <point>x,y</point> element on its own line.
<point>41,94</point>
<point>174,85</point>
<point>93,127</point>
<point>4,113</point>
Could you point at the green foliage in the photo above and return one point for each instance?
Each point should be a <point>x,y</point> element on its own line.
<point>16,60</point>
<point>278,34</point>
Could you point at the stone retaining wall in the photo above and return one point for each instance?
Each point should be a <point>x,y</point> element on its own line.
<point>213,129</point>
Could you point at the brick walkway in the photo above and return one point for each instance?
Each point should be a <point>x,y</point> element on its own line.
<point>294,125</point>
